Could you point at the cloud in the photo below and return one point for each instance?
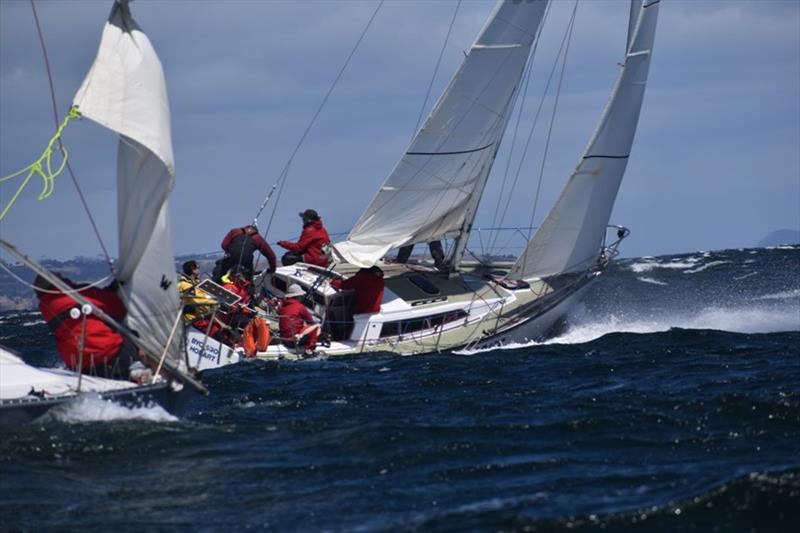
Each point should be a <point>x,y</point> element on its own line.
<point>245,78</point>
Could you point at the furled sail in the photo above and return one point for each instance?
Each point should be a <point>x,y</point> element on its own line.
<point>433,190</point>
<point>571,236</point>
<point>125,92</point>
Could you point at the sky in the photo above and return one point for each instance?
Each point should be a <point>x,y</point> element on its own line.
<point>715,163</point>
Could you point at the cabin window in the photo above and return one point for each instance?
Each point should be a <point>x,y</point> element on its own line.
<point>423,284</point>
<point>402,327</point>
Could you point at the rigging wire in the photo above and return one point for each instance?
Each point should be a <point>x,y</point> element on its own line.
<point>529,69</point>
<point>436,69</point>
<point>61,145</point>
<point>552,120</point>
<point>567,33</point>
<point>284,173</point>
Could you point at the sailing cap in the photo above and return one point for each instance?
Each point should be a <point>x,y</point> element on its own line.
<point>310,214</point>
<point>295,290</point>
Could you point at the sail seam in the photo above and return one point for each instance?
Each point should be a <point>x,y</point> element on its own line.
<point>482,148</point>
<point>650,4</point>
<point>606,156</point>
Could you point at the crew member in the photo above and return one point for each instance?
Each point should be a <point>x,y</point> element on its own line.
<point>309,249</point>
<point>297,327</point>
<point>437,253</point>
<point>239,245</point>
<point>106,353</point>
<point>368,287</point>
<point>197,304</point>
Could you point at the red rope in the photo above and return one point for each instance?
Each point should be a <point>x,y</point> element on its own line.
<point>55,116</point>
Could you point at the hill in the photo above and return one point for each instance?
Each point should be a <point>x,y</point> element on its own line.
<point>781,236</point>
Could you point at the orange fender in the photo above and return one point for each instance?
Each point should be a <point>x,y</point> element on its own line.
<point>255,337</point>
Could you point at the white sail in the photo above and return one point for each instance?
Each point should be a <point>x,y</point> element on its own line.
<point>570,238</point>
<point>125,92</point>
<point>433,190</point>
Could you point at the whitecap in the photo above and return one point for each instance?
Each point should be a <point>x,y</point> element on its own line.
<point>34,323</point>
<point>739,278</point>
<point>651,280</point>
<point>675,264</point>
<point>707,265</point>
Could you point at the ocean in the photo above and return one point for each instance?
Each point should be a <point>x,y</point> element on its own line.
<point>668,401</point>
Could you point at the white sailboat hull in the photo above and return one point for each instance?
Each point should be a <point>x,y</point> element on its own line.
<point>27,392</point>
<point>499,316</point>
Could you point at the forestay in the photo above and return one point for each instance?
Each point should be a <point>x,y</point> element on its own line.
<point>434,189</point>
<point>125,92</point>
<point>571,236</point>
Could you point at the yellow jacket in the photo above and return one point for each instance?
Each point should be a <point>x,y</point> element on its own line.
<point>196,302</point>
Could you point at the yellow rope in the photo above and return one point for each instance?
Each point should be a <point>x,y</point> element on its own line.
<point>42,167</point>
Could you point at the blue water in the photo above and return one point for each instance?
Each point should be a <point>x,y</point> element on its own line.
<point>670,401</point>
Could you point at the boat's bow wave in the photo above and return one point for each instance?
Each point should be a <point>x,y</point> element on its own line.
<point>93,408</point>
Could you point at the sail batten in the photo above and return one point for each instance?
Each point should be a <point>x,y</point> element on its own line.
<point>431,192</point>
<point>571,236</point>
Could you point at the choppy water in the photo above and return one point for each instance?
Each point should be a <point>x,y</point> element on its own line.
<point>670,402</point>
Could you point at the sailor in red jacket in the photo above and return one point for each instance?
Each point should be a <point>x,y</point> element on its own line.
<point>368,287</point>
<point>296,319</point>
<point>239,245</point>
<point>106,353</point>
<point>309,248</point>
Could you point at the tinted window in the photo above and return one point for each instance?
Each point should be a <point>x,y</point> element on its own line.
<point>401,327</point>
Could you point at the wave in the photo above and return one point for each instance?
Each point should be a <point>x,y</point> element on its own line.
<point>749,321</point>
<point>705,266</point>
<point>783,295</point>
<point>93,408</point>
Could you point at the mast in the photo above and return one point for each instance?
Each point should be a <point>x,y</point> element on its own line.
<point>433,191</point>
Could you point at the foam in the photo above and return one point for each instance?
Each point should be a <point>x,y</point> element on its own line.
<point>647,266</point>
<point>92,408</point>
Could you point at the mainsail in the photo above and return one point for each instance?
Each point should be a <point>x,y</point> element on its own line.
<point>125,92</point>
<point>434,189</point>
<point>571,236</point>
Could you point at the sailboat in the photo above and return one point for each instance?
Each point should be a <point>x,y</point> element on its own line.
<point>433,193</point>
<point>125,92</point>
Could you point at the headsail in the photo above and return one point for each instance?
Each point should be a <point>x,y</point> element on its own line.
<point>125,92</point>
<point>434,189</point>
<point>570,238</point>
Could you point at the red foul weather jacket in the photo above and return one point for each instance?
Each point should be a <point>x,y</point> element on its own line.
<point>313,238</point>
<point>101,343</point>
<point>368,287</point>
<point>294,318</point>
